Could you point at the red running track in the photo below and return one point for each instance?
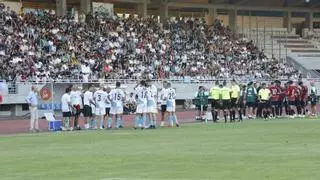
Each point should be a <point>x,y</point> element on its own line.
<point>15,126</point>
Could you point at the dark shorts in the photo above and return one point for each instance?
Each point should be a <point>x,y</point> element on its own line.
<point>225,104</point>
<point>66,114</point>
<point>234,103</point>
<point>77,110</point>
<point>163,108</point>
<point>87,111</point>
<point>313,101</point>
<point>292,103</point>
<point>215,104</point>
<point>264,104</point>
<point>274,103</point>
<point>251,104</point>
<point>107,111</point>
<point>204,108</point>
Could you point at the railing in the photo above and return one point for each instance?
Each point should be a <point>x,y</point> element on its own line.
<point>264,37</point>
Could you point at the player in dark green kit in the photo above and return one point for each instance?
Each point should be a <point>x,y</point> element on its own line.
<point>251,95</point>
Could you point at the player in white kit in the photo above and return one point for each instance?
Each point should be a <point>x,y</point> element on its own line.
<point>87,108</point>
<point>76,101</point>
<point>100,97</point>
<point>171,106</point>
<point>163,102</point>
<point>152,104</point>
<point>141,94</point>
<point>116,97</point>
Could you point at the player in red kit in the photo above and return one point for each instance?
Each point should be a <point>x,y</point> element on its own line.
<point>291,95</point>
<point>298,93</point>
<point>275,92</point>
<point>303,97</point>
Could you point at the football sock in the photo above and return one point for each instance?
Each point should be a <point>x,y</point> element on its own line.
<point>118,121</point>
<point>170,119</point>
<point>273,112</point>
<point>174,118</point>
<point>109,122</point>
<point>240,115</point>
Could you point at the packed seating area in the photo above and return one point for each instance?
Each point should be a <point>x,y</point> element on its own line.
<point>40,46</point>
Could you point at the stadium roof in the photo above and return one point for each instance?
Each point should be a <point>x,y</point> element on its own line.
<point>255,5</point>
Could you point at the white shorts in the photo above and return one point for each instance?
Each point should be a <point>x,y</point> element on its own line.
<point>152,109</point>
<point>100,111</point>
<point>171,106</point>
<point>152,106</point>
<point>141,108</point>
<point>93,108</point>
<point>116,108</point>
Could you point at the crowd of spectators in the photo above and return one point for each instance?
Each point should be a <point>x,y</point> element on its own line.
<point>41,46</point>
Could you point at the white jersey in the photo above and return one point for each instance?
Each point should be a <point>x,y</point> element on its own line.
<point>87,98</point>
<point>171,94</point>
<point>142,95</point>
<point>76,98</point>
<point>171,100</point>
<point>65,100</point>
<point>100,98</point>
<point>163,96</point>
<point>152,94</point>
<point>116,95</point>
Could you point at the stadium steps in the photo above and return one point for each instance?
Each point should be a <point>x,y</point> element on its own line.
<point>305,50</point>
<point>292,46</point>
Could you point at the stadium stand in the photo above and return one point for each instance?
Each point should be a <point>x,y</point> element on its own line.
<point>40,46</point>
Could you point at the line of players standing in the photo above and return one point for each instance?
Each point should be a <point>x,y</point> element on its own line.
<point>103,106</point>
<point>264,101</point>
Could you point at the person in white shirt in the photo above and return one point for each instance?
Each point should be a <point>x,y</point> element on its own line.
<point>151,104</point>
<point>171,106</point>
<point>141,94</point>
<point>163,103</point>
<point>87,109</point>
<point>32,100</point>
<point>116,98</point>
<point>108,107</point>
<point>100,97</point>
<point>66,108</point>
<point>76,102</point>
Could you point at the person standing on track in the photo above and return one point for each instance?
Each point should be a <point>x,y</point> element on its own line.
<point>87,109</point>
<point>141,93</point>
<point>171,106</point>
<point>107,116</point>
<point>264,97</point>
<point>275,92</point>
<point>32,100</point>
<point>226,97</point>
<point>313,99</point>
<point>242,103</point>
<point>151,104</point>
<point>117,97</point>
<point>303,98</point>
<point>76,101</point>
<point>66,108</point>
<point>215,98</point>
<point>163,103</point>
<point>251,94</point>
<point>235,96</point>
<point>291,95</point>
<point>201,98</point>
<point>100,96</point>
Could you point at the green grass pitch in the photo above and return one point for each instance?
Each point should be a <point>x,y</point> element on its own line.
<point>253,150</point>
